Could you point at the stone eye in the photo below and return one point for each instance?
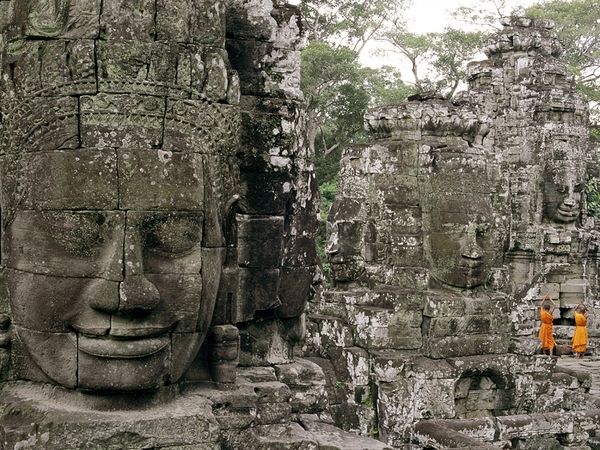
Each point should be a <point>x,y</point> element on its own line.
<point>174,236</point>
<point>578,187</point>
<point>79,234</point>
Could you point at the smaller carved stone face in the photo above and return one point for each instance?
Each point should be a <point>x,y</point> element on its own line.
<point>563,192</point>
<point>564,179</point>
<point>344,250</point>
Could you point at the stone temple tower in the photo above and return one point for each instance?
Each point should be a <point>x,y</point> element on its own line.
<point>542,140</point>
<point>446,231</point>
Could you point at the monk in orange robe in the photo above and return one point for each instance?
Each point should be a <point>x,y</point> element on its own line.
<point>580,337</point>
<point>545,333</point>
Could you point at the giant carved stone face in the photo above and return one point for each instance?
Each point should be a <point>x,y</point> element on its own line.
<point>465,237</point>
<point>112,195</point>
<point>112,277</point>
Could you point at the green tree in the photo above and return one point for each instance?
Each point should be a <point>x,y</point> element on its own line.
<point>386,86</point>
<point>486,14</point>
<point>327,191</point>
<point>437,60</point>
<point>348,23</point>
<point>333,84</point>
<point>452,50</point>
<point>333,81</point>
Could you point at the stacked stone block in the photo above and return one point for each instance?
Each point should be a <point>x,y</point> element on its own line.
<point>279,191</point>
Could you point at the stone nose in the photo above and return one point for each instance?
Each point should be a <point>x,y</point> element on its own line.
<point>102,295</point>
<point>569,202</point>
<point>137,294</point>
<point>472,251</point>
<point>134,293</point>
<point>333,242</point>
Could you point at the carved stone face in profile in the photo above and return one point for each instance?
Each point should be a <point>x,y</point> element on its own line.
<point>465,238</point>
<point>564,184</point>
<point>112,198</point>
<point>349,233</point>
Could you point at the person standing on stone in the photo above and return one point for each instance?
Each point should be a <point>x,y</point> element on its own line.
<point>545,334</point>
<point>580,338</point>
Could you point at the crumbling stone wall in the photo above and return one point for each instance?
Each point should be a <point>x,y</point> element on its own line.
<point>542,134</point>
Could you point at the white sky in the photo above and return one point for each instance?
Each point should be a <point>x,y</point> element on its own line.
<point>427,16</point>
<point>433,15</point>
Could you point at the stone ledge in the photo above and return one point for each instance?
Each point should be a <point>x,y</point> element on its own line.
<point>458,433</point>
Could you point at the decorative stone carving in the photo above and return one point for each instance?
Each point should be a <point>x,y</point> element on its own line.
<point>113,200</point>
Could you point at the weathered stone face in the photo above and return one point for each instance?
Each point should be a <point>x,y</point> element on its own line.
<point>466,237</point>
<point>344,249</point>
<point>564,184</point>
<point>114,156</point>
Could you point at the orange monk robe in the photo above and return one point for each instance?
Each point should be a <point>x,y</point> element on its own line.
<point>545,334</point>
<point>580,337</point>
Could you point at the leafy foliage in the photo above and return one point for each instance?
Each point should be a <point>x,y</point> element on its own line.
<point>437,60</point>
<point>327,191</point>
<point>486,14</point>
<point>592,197</point>
<point>338,90</point>
<point>348,23</point>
